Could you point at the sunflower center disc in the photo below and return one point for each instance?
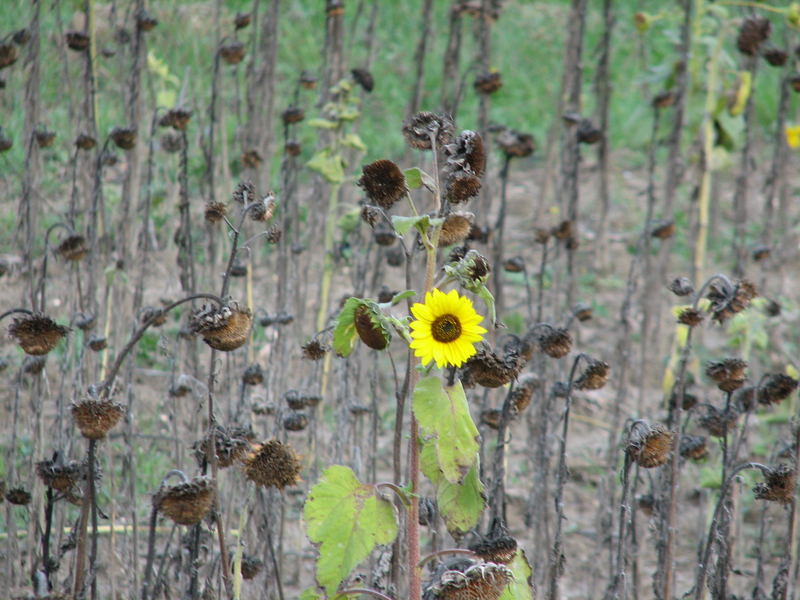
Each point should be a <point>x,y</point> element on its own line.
<point>446,328</point>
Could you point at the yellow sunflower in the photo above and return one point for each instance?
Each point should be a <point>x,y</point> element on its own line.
<point>446,328</point>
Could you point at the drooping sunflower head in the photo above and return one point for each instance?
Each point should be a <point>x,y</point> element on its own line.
<point>446,328</point>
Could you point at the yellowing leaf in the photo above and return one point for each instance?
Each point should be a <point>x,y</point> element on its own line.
<point>328,165</point>
<point>520,586</point>
<point>445,421</point>
<point>348,519</point>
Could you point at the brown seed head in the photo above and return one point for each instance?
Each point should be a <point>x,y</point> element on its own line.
<point>263,209</point>
<point>252,158</point>
<point>487,369</point>
<point>646,503</point>
<point>779,485</point>
<point>384,235</point>
<point>383,182</point>
<point>728,374</point>
<point>95,418</point>
<point>588,134</point>
<point>681,286</point>
<point>293,114</point>
<point>230,443</point>
<point>225,328</point>
<point>500,550</point>
<point>650,446</point>
<point>478,581</point>
<point>314,350</point>
<point>77,40</point>
<point>776,388</point>
<point>245,192</point>
<point>72,248</point>
<point>18,496</point>
<point>663,230</point>
<point>466,154</point>
<point>253,374</point>
<point>158,316</point>
<point>564,230</point>
<point>419,128</point>
<point>177,118</point>
<point>594,377</point>
<point>85,142</point>
<point>515,264</point>
<point>145,21</point>
<point>694,447</point>
<point>232,52</point>
<point>728,300</point>
<point>556,342</point>
<point>59,475</point>
<point>462,187</point>
<point>295,421</point>
<point>761,252</point>
<point>491,417</point>
<point>124,137</point>
<point>488,83</point>
<point>690,316</point>
<point>272,464</point>
<point>582,311</point>
<point>370,214</point>
<point>8,54</point>
<point>186,503</point>
<point>363,78</point>
<point>522,395</point>
<point>307,80</point>
<point>36,333</point>
<point>6,143</point>
<point>663,99</point>
<point>775,56</point>
<point>515,144</point>
<point>44,137</point>
<point>292,148</point>
<point>215,211</point>
<point>251,566</point>
<point>753,32</point>
<point>369,327</point>
<point>718,423</point>
<point>456,228</point>
<point>97,343</point>
<point>242,20</point>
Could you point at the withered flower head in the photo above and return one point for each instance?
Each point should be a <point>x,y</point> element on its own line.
<point>689,399</point>
<point>293,114</point>
<point>456,228</point>
<point>230,443</point>
<point>18,496</point>
<point>649,446</point>
<point>488,83</point>
<point>491,417</point>
<point>145,21</point>
<point>582,311</point>
<point>177,118</point>
<point>244,193</point>
<point>232,52</point>
<point>515,143</point>
<point>556,342</point>
<point>242,20</point>
<point>60,475</point>
<point>461,187</point>
<point>761,252</point>
<point>753,32</point>
<point>646,503</point>
<point>369,327</point>
<point>663,99</point>
<point>663,229</point>
<point>251,566</point>
<point>295,421</point>
<point>97,343</point>
<point>85,142</point>
<point>77,40</point>
<point>223,328</point>
<point>72,248</point>
<point>522,394</point>
<point>594,377</point>
<point>469,580</point>
<point>295,400</point>
<point>21,36</point>
<point>383,182</point>
<point>587,133</point>
<point>95,418</point>
<point>745,398</point>
<point>466,153</point>
<point>717,422</point>
<point>681,286</point>
<point>44,137</point>
<point>515,264</point>
<point>500,550</point>
<point>487,369</point>
<point>779,485</point>
<point>307,80</point>
<point>124,137</point>
<point>215,211</point>
<point>253,374</point>
<point>728,299</point>
<point>292,148</point>
<point>36,333</point>
<point>363,78</point>
<point>186,503</point>
<point>314,350</point>
<point>384,234</point>
<point>776,57</point>
<point>6,143</point>
<point>775,388</point>
<point>252,158</point>
<point>693,447</point>
<point>158,316</point>
<point>272,464</point>
<point>772,308</point>
<point>370,214</point>
<point>263,209</point>
<point>8,54</point>
<point>728,374</point>
<point>541,235</point>
<point>479,233</point>
<point>419,129</point>
<point>690,316</point>
<point>386,294</point>
<point>564,230</point>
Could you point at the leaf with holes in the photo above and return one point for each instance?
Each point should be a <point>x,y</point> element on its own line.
<point>348,519</point>
<point>444,418</point>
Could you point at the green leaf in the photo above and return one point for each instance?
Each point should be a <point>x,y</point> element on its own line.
<point>349,221</point>
<point>322,123</point>
<point>460,505</point>
<point>310,594</point>
<point>344,332</point>
<point>347,519</point>
<point>400,296</point>
<point>444,418</point>
<point>520,586</point>
<point>403,224</point>
<point>328,165</point>
<point>353,140</point>
<point>416,178</point>
<point>485,295</point>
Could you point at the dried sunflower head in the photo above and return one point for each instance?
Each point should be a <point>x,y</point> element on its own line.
<point>487,369</point>
<point>272,464</point>
<point>468,580</point>
<point>728,299</point>
<point>223,328</point>
<point>728,374</point>
<point>693,447</point>
<point>36,333</point>
<point>186,503</point>
<point>230,443</point>
<point>594,377</point>
<point>776,388</point>
<point>515,144</point>
<point>314,350</point>
<point>456,228</point>
<point>124,137</point>
<point>422,127</point>
<point>779,485</point>
<point>754,31</point>
<point>95,418</point>
<point>650,446</point>
<point>466,153</point>
<point>383,182</point>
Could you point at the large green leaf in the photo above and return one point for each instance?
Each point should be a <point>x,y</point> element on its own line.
<point>520,587</point>
<point>327,164</point>
<point>460,505</point>
<point>443,415</point>
<point>344,333</point>
<point>347,519</point>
